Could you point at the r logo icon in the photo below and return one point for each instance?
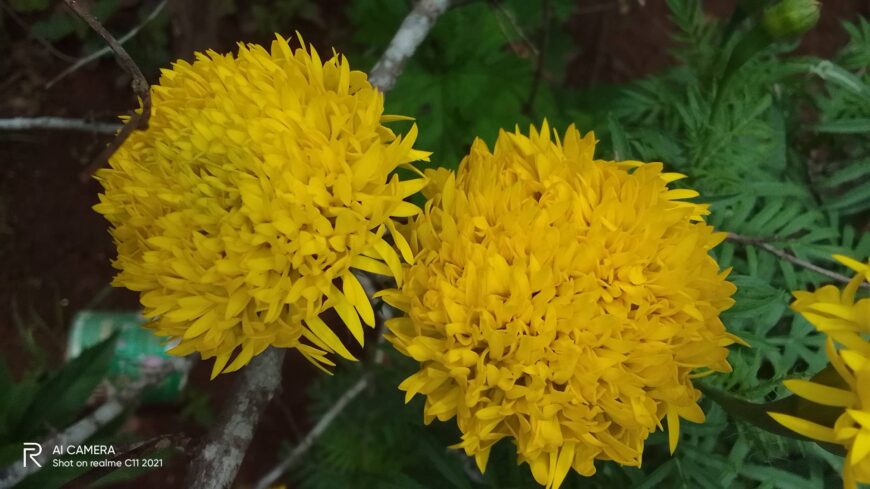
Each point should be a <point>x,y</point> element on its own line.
<point>31,450</point>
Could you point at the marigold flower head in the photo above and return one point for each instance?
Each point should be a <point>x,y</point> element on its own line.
<point>845,319</point>
<point>262,180</point>
<point>561,301</point>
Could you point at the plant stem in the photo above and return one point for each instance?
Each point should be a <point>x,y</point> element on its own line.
<point>764,245</point>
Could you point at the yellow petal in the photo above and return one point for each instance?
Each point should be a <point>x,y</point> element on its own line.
<point>370,265</point>
<point>200,326</point>
<point>837,362</point>
<point>408,188</point>
<point>673,429</point>
<point>853,359</point>
<point>481,458</point>
<point>860,447</point>
<point>852,263</point>
<point>692,412</point>
<point>219,363</point>
<point>395,117</point>
<point>539,466</point>
<point>566,459</point>
<point>319,328</point>
<point>681,193</point>
<point>805,428</point>
<point>390,258</point>
<point>405,209</point>
<point>243,358</point>
<point>401,243</point>
<point>237,302</point>
<point>862,417</point>
<point>818,393</point>
<point>348,314</point>
<point>356,294</point>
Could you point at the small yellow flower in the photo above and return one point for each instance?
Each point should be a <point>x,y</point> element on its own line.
<point>846,322</point>
<point>262,180</point>
<point>560,301</point>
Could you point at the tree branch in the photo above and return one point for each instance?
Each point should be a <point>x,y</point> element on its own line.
<point>220,454</point>
<point>27,123</point>
<point>764,245</point>
<point>107,49</point>
<point>411,33</point>
<point>136,450</point>
<point>138,119</point>
<point>546,14</point>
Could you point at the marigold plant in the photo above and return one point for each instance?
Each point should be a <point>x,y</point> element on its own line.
<point>845,320</point>
<point>561,301</point>
<point>262,180</point>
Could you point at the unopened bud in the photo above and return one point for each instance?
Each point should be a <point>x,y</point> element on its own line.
<point>790,18</point>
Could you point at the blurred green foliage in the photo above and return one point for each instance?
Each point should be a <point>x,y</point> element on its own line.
<point>59,23</point>
<point>38,405</point>
<point>54,23</point>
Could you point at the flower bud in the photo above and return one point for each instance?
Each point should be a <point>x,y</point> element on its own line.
<point>790,18</point>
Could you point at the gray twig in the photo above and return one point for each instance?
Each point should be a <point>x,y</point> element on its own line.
<point>106,50</point>
<point>411,33</point>
<point>764,245</point>
<point>219,456</point>
<point>138,119</point>
<point>500,11</point>
<point>62,123</point>
<point>321,426</point>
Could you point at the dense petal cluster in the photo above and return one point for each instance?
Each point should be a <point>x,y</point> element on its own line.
<point>261,181</point>
<point>845,320</point>
<point>561,301</point>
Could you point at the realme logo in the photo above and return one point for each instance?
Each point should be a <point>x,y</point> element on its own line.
<point>31,451</point>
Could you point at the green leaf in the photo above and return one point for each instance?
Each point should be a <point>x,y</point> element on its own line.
<point>449,469</point>
<point>853,171</point>
<point>799,223</point>
<point>28,5</point>
<point>657,476</point>
<point>756,302</point>
<point>777,477</point>
<point>844,78</point>
<point>63,395</point>
<point>13,407</point>
<point>618,139</point>
<point>848,126</point>
<point>852,197</point>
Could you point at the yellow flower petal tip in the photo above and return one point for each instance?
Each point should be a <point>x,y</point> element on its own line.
<point>262,179</point>
<point>561,301</point>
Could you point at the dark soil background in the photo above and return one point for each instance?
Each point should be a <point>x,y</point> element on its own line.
<point>55,251</point>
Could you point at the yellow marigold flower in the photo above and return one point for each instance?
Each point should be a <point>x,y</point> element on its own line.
<point>561,301</point>
<point>846,322</point>
<point>262,180</point>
